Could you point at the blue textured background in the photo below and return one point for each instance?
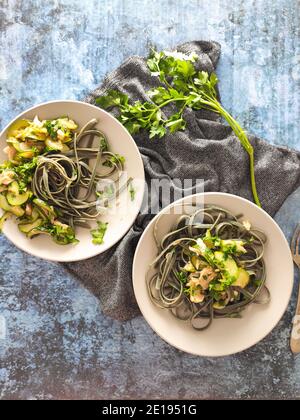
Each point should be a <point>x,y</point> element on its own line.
<point>57,343</point>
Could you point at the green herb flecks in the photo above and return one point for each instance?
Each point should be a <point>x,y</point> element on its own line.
<point>50,126</point>
<point>131,190</point>
<point>61,233</point>
<point>107,193</point>
<point>99,232</point>
<point>182,277</point>
<point>24,173</point>
<point>104,145</point>
<point>114,160</point>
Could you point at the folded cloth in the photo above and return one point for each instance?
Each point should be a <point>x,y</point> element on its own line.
<point>207,150</point>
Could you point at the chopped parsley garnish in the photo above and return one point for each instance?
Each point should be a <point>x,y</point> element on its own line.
<point>24,173</point>
<point>131,191</point>
<point>50,125</point>
<point>61,233</point>
<point>182,277</point>
<point>99,232</point>
<point>114,160</point>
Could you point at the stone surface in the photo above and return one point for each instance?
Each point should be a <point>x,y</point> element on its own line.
<point>54,341</point>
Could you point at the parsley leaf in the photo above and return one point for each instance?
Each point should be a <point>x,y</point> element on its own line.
<point>113,98</point>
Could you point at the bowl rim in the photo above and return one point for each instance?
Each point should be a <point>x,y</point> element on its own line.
<point>138,204</point>
<point>150,226</point>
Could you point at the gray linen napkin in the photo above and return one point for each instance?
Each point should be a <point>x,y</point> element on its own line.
<point>207,150</point>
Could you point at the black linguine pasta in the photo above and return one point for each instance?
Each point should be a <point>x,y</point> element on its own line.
<point>68,181</point>
<point>209,266</point>
<point>57,178</point>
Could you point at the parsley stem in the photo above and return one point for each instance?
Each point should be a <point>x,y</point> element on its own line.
<point>183,98</point>
<point>241,135</point>
<point>157,107</point>
<point>252,178</point>
<point>164,80</point>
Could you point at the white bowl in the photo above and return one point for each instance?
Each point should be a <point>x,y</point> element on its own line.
<point>120,142</point>
<point>224,336</point>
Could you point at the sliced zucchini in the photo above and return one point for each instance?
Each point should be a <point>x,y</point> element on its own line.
<point>219,256</point>
<point>219,287</point>
<point>242,279</point>
<point>27,227</point>
<point>35,214</point>
<point>32,218</point>
<point>231,267</point>
<point>27,154</point>
<point>15,143</point>
<point>70,124</point>
<point>208,239</point>
<point>48,211</point>
<point>24,150</point>
<point>7,177</point>
<point>219,305</point>
<point>226,264</point>
<point>34,137</point>
<point>13,188</point>
<point>41,213</point>
<point>235,245</point>
<point>54,145</point>
<point>18,125</point>
<point>65,148</point>
<point>42,204</point>
<point>34,232</point>
<point>189,267</point>
<point>4,217</point>
<point>4,204</point>
<point>25,147</point>
<point>65,123</point>
<point>198,263</point>
<point>16,210</point>
<point>17,200</point>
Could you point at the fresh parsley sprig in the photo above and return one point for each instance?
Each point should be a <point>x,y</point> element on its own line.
<point>182,86</point>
